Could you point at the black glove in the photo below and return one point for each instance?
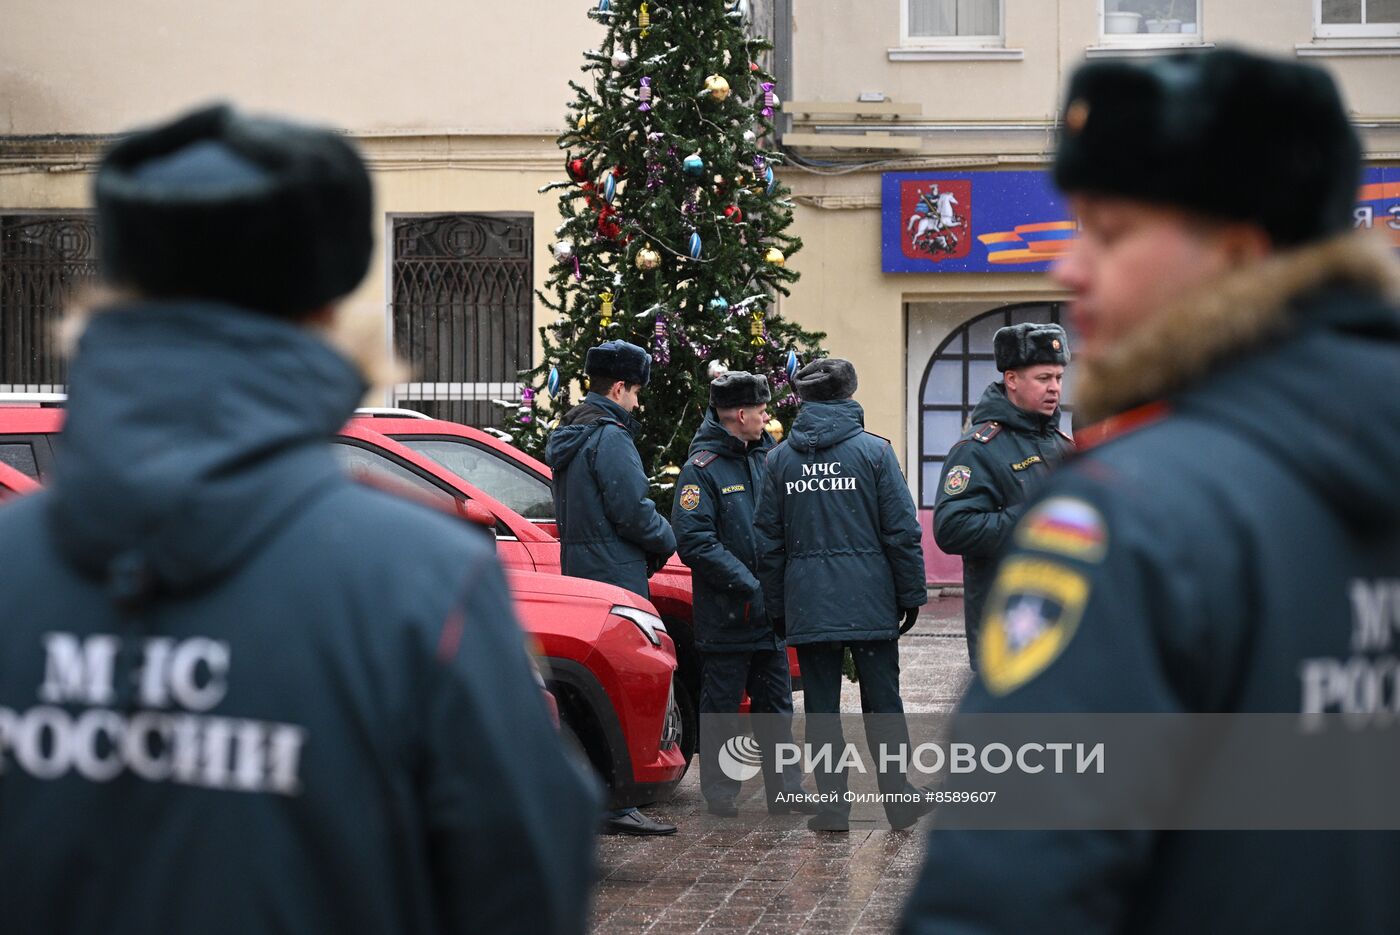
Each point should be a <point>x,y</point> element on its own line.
<point>910,616</point>
<point>655,562</point>
<point>779,625</point>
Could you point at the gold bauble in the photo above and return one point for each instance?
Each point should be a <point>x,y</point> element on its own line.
<point>775,256</point>
<point>647,258</point>
<point>583,121</point>
<point>774,428</point>
<point>671,471</point>
<point>717,86</point>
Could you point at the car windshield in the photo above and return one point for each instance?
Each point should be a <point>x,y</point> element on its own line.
<point>493,475</point>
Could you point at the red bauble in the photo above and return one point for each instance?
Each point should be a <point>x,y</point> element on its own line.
<point>753,67</point>
<point>734,214</point>
<point>607,223</point>
<point>578,169</point>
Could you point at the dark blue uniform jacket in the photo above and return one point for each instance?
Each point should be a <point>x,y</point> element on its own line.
<point>839,541</point>
<point>608,524</point>
<point>713,514</point>
<point>240,693</point>
<point>1227,557</point>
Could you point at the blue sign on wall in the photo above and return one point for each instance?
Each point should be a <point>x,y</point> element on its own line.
<point>988,222</point>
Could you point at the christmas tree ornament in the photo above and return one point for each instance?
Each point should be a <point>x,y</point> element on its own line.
<point>584,119</point>
<point>644,95</point>
<point>671,471</point>
<point>719,304</point>
<point>792,365</point>
<point>739,11</point>
<point>695,246</point>
<point>770,181</point>
<point>717,86</point>
<point>647,258</point>
<point>715,370</point>
<point>605,308</point>
<point>693,165</point>
<point>770,100</point>
<point>607,223</point>
<point>750,136</point>
<point>564,250</point>
<point>525,415</point>
<point>660,348</point>
<point>578,169</point>
<point>620,59</point>
<point>604,6</point>
<point>733,213</point>
<point>753,67</point>
<point>775,257</point>
<point>609,186</point>
<point>553,384</point>
<point>756,330</point>
<point>644,20</point>
<point>775,429</point>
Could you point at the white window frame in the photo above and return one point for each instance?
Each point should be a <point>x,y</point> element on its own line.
<point>1153,40</point>
<point>996,40</point>
<point>1352,30</point>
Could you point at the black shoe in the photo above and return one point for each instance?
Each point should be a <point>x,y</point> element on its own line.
<point>635,823</point>
<point>909,815</point>
<point>722,809</point>
<point>825,821</point>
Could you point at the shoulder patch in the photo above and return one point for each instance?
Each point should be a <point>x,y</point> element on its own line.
<point>1065,526</point>
<point>1032,613</point>
<point>987,432</point>
<point>690,497</point>
<point>703,459</point>
<point>956,481</point>
<point>734,488</point>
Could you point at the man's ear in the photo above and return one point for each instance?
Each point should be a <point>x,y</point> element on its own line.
<point>1245,244</point>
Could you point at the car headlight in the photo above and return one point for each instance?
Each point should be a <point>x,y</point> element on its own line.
<point>650,624</point>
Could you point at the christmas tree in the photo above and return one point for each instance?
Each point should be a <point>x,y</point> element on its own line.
<point>675,229</point>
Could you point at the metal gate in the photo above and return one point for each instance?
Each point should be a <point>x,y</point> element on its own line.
<point>43,258</point>
<point>462,313</point>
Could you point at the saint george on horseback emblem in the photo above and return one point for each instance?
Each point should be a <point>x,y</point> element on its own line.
<point>937,222</point>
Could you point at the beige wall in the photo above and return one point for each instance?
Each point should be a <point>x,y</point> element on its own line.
<point>99,66</point>
<point>456,103</point>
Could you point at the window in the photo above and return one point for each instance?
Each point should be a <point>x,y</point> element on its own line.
<point>20,457</point>
<point>1156,22</point>
<point>44,258</point>
<point>1357,18</point>
<point>461,295</point>
<point>494,476</point>
<point>938,21</point>
<point>958,373</point>
<point>363,464</point>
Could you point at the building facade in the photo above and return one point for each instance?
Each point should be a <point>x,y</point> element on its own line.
<point>918,132</point>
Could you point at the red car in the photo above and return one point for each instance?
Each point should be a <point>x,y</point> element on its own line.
<point>525,485</point>
<point>13,483</point>
<point>608,659</point>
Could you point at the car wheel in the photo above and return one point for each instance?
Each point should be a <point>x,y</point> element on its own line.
<point>688,687</point>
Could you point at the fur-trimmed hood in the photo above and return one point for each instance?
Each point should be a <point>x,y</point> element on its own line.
<point>1228,318</point>
<point>1301,356</point>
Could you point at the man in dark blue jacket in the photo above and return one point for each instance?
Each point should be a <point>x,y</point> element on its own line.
<point>238,692</point>
<point>1230,539</point>
<point>713,517</point>
<point>609,529</point>
<point>1010,447</point>
<point>841,565</point>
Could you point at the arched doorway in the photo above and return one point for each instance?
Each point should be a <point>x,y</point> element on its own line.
<point>956,375</point>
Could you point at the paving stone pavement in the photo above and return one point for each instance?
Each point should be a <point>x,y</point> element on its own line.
<point>732,876</point>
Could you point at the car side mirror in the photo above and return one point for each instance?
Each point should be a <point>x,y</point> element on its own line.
<point>474,512</point>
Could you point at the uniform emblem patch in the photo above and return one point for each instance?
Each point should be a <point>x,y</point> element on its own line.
<point>1032,613</point>
<point>1066,526</point>
<point>956,481</point>
<point>733,488</point>
<point>690,497</point>
<point>1022,465</point>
